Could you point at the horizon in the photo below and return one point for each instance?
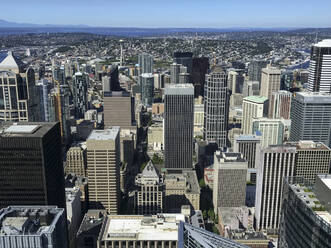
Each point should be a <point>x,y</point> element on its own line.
<point>171,14</point>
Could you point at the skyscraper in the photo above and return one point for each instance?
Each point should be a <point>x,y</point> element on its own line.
<point>276,162</point>
<point>270,81</point>
<point>254,69</point>
<point>103,169</point>
<point>253,107</point>
<point>271,130</point>
<point>145,62</point>
<point>175,71</point>
<point>280,104</point>
<point>185,59</point>
<point>200,67</point>
<point>229,187</point>
<point>311,117</point>
<point>31,169</point>
<point>80,85</point>
<point>305,219</point>
<point>118,109</point>
<point>249,146</point>
<point>147,89</point>
<point>18,95</point>
<point>235,81</point>
<point>216,103</point>
<point>319,67</point>
<point>178,126</point>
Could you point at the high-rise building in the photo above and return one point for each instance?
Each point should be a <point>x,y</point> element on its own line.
<point>250,147</point>
<point>190,237</point>
<point>174,72</point>
<point>319,67</point>
<point>33,227</point>
<point>253,107</point>
<point>280,105</point>
<point>200,67</point>
<point>178,125</point>
<point>235,81</point>
<point>76,160</point>
<point>147,89</point>
<point>270,81</point>
<point>216,102</point>
<point>229,186</point>
<point>271,130</point>
<point>103,169</point>
<point>276,162</point>
<point>80,85</point>
<point>149,196</point>
<point>18,94</point>
<point>43,88</point>
<point>185,59</point>
<point>118,109</point>
<point>313,158</point>
<point>251,88</point>
<point>145,62</point>
<point>306,213</point>
<point>255,68</point>
<point>31,169</point>
<point>311,117</point>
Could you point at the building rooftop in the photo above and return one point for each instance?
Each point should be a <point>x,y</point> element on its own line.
<point>107,134</point>
<point>92,222</point>
<point>312,97</point>
<point>248,137</point>
<point>229,157</point>
<point>138,227</point>
<point>29,220</point>
<point>188,177</point>
<point>179,89</point>
<point>11,62</point>
<point>324,43</point>
<point>25,129</point>
<point>256,99</point>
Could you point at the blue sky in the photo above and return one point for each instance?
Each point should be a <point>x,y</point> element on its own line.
<point>171,13</point>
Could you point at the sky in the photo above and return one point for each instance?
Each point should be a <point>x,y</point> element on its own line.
<point>171,13</point>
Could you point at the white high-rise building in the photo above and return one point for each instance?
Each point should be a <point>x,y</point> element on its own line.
<point>270,81</point>
<point>253,107</point>
<point>272,131</point>
<point>320,67</point>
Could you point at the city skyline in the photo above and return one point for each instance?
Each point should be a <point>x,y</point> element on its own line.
<point>193,14</point>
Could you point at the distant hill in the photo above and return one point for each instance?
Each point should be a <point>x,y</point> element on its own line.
<point>7,24</point>
<point>311,30</point>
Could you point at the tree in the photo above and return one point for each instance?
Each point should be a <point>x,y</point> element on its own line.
<point>204,214</point>
<point>202,183</point>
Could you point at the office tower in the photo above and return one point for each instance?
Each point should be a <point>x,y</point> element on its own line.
<point>319,67</point>
<point>140,231</point>
<point>178,126</point>
<point>270,81</point>
<point>33,227</point>
<point>43,88</point>
<point>76,160</point>
<point>305,219</point>
<point>272,131</point>
<point>185,59</point>
<point>250,147</point>
<point>216,103</point>
<point>31,169</point>
<point>311,117</point>
<point>145,62</point>
<point>184,78</point>
<point>287,80</point>
<point>235,81</point>
<point>181,189</point>
<point>174,72</point>
<point>229,188</point>
<point>253,107</point>
<point>276,162</point>
<point>149,196</point>
<point>251,88</point>
<point>313,158</point>
<point>103,169</point>
<point>118,109</point>
<point>255,68</point>
<point>200,67</point>
<point>18,95</point>
<point>280,105</point>
<point>74,212</point>
<point>190,236</point>
<point>147,89</point>
<point>80,85</point>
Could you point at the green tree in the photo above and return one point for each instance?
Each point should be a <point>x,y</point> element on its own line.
<point>202,183</point>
